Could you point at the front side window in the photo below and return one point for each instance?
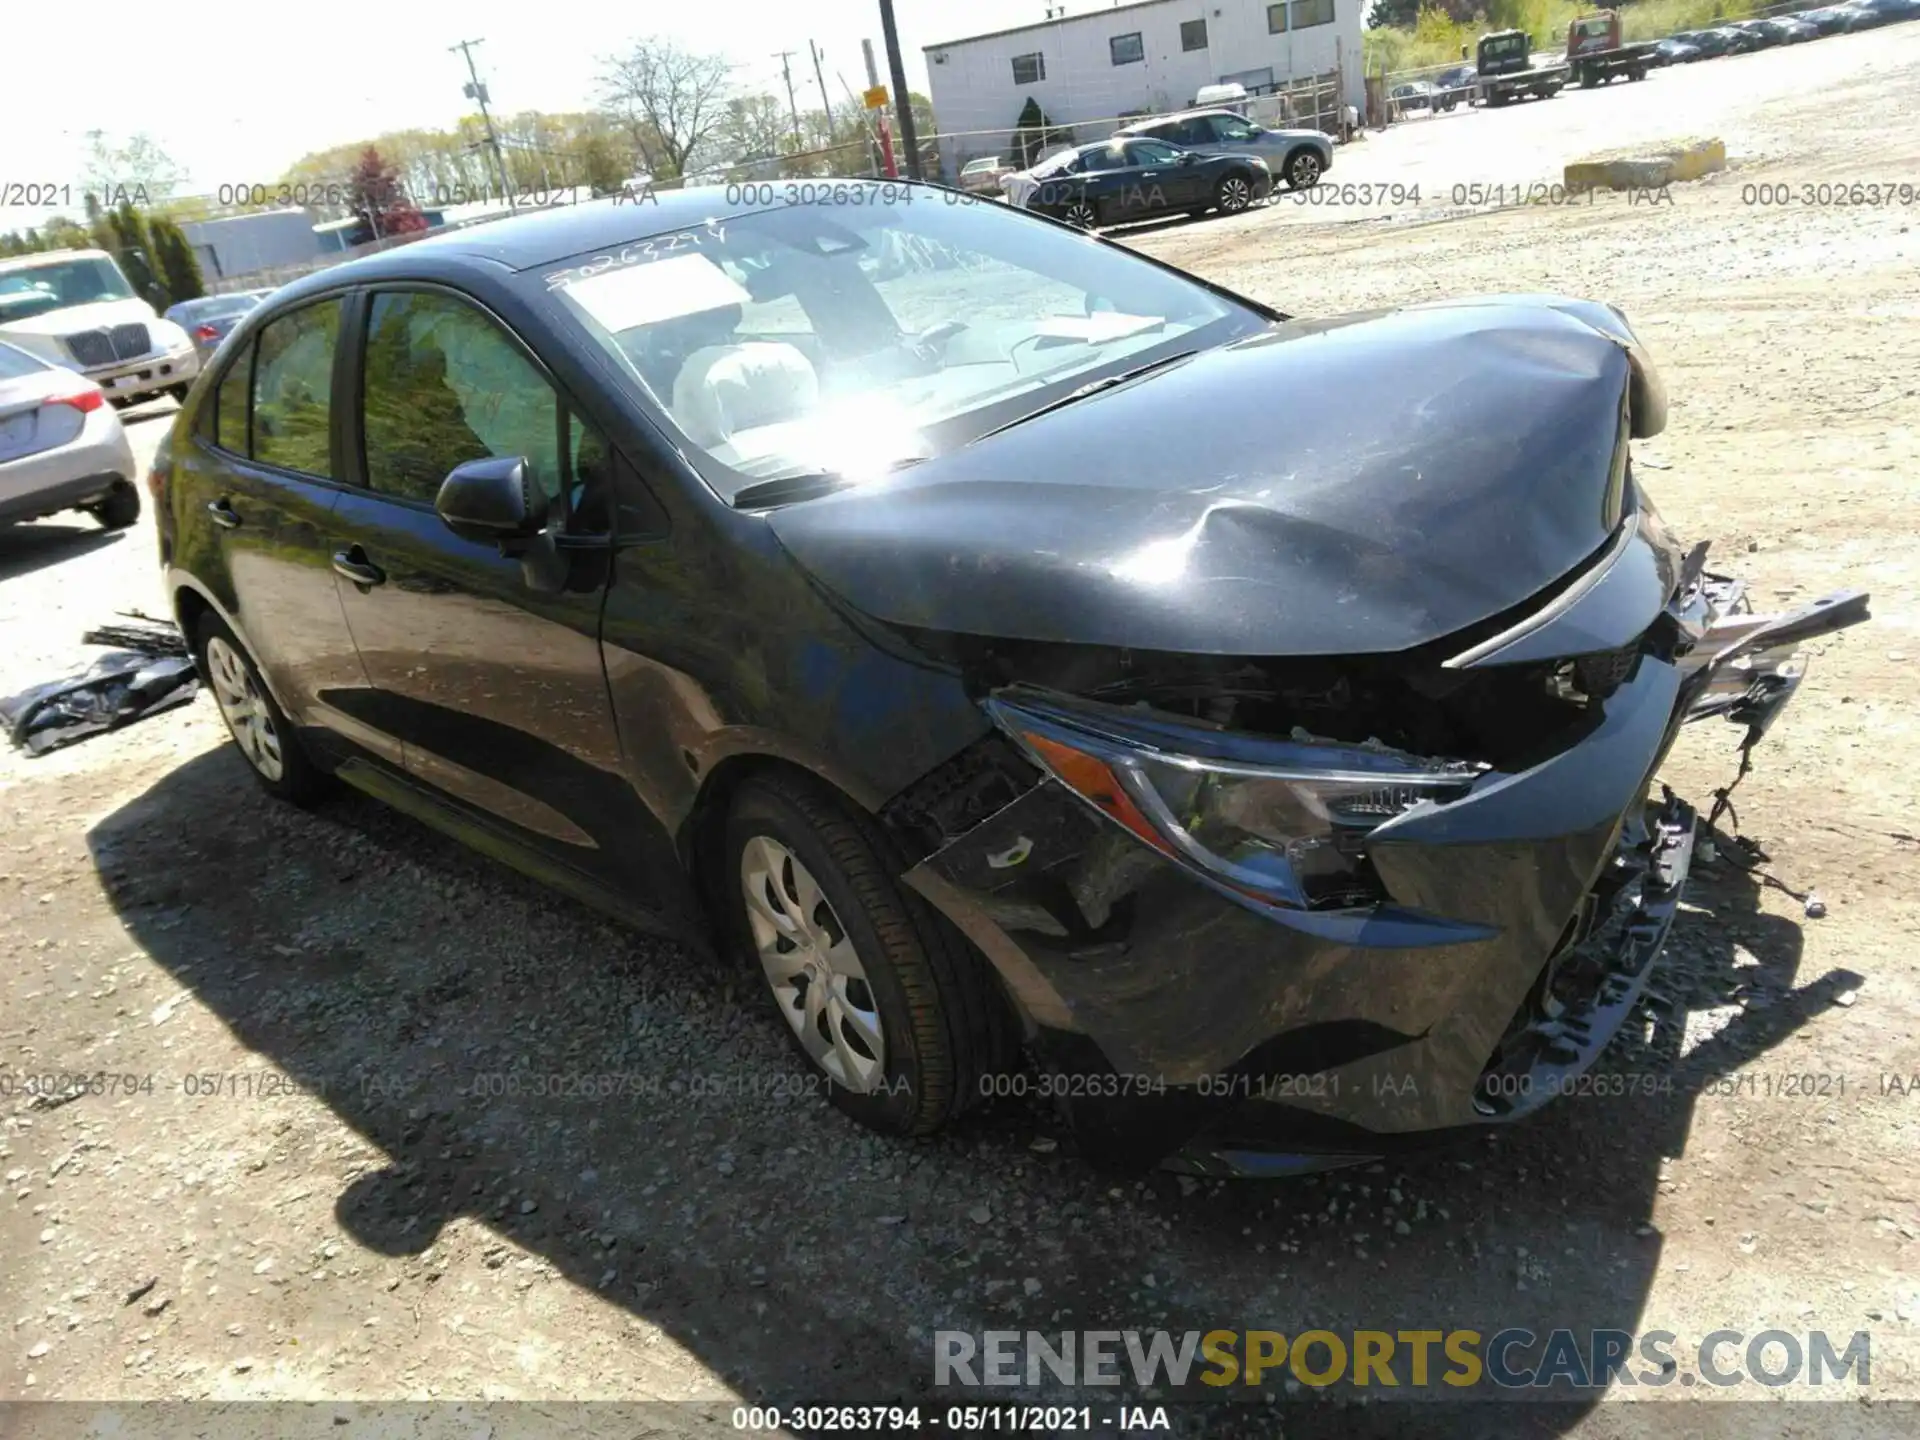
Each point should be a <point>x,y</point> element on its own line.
<point>1193,34</point>
<point>1276,19</point>
<point>1127,49</point>
<point>1230,127</point>
<point>1311,12</point>
<point>1029,69</point>
<point>444,384</point>
<point>850,339</point>
<point>1143,154</point>
<point>293,389</point>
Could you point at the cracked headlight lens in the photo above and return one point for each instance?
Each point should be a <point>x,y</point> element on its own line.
<point>1288,829</point>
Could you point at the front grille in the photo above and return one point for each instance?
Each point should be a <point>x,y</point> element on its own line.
<point>92,347</point>
<point>130,342</point>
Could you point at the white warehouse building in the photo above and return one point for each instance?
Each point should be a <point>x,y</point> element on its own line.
<point>1144,57</point>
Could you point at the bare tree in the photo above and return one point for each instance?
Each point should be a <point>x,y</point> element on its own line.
<point>668,99</point>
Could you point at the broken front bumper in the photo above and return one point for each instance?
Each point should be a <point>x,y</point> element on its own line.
<point>1176,1024</point>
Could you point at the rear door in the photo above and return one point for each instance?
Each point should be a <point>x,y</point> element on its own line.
<point>255,487</point>
<point>495,692</point>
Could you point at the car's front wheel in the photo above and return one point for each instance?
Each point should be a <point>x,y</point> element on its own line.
<point>1233,194</point>
<point>891,1009</point>
<point>1081,215</point>
<point>262,733</point>
<point>1303,170</point>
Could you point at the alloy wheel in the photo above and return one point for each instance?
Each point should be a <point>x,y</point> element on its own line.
<point>811,964</point>
<point>1304,170</point>
<point>1235,195</point>
<point>1080,214</point>
<point>244,709</point>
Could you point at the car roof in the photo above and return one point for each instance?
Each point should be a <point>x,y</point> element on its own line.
<point>524,242</point>
<point>43,257</point>
<point>1193,114</point>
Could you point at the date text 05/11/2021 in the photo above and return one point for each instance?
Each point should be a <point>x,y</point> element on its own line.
<point>956,1419</point>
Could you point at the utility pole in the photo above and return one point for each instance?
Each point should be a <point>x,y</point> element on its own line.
<point>891,170</point>
<point>826,105</point>
<point>786,70</point>
<point>898,71</point>
<point>477,92</point>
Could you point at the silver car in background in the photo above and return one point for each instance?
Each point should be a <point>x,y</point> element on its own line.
<point>1300,157</point>
<point>208,319</point>
<point>61,446</point>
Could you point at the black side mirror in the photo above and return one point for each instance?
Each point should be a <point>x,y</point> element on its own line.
<point>1187,157</point>
<point>490,502</point>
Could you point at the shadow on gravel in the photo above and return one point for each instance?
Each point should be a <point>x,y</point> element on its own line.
<point>631,1116</point>
<point>27,548</point>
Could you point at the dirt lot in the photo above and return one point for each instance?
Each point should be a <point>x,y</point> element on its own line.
<point>323,1209</point>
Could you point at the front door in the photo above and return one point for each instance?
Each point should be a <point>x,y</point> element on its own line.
<point>495,690</point>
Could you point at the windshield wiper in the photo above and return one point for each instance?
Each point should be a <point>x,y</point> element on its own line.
<point>786,489</point>
<point>1092,387</point>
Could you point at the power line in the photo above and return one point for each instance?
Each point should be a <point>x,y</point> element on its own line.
<point>476,91</point>
<point>786,71</point>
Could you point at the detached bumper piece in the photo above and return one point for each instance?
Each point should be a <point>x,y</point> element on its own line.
<point>1590,987</point>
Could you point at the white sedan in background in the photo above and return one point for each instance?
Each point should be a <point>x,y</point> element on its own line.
<point>61,446</point>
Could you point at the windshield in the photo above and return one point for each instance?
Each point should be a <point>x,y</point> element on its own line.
<point>36,289</point>
<point>849,339</point>
<point>1503,46</point>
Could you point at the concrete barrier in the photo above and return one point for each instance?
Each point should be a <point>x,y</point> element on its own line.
<point>1647,167</point>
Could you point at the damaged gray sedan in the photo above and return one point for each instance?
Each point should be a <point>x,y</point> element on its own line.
<point>1002,642</point>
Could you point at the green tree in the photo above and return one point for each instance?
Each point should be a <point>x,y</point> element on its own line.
<point>173,255</point>
<point>133,248</point>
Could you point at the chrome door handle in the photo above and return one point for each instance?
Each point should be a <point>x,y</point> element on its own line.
<point>353,565</point>
<point>223,513</point>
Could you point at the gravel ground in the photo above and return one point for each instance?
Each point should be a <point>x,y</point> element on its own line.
<point>343,1184</point>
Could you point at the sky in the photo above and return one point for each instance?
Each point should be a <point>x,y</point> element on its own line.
<point>235,90</point>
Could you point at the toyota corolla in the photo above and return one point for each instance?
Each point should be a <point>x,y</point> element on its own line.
<point>1014,651</point>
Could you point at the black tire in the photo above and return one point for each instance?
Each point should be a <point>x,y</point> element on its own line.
<point>1081,214</point>
<point>300,781</point>
<point>120,509</point>
<point>180,392</point>
<point>1303,169</point>
<point>119,402</point>
<point>1234,193</point>
<point>943,1024</point>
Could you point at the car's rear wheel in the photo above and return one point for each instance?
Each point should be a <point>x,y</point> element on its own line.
<point>179,392</point>
<point>1080,214</point>
<point>893,1012</point>
<point>120,509</point>
<point>1233,194</point>
<point>119,402</point>
<point>1303,170</point>
<point>263,734</point>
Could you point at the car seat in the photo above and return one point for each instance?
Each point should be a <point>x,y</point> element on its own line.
<point>724,389</point>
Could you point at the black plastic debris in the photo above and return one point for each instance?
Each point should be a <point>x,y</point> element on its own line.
<point>148,670</point>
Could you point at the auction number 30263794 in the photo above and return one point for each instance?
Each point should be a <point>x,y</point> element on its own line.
<point>961,1419</point>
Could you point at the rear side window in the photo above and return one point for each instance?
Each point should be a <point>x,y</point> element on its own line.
<point>15,364</point>
<point>445,385</point>
<point>293,389</point>
<point>230,404</point>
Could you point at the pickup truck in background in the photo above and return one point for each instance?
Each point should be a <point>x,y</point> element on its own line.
<point>1597,52</point>
<point>1507,71</point>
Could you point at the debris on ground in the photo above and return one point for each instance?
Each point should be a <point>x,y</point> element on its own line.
<point>148,670</point>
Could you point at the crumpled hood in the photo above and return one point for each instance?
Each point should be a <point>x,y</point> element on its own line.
<point>1362,484</point>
